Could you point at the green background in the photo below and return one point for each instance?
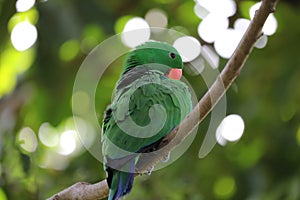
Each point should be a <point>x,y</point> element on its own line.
<point>36,87</point>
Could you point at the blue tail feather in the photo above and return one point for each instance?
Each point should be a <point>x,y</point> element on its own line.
<point>121,182</point>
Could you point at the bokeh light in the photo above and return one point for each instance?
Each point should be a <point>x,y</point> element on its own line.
<point>224,187</point>
<point>136,32</point>
<point>188,47</point>
<point>48,135</point>
<point>200,11</point>
<point>225,8</point>
<point>23,36</point>
<point>121,22</point>
<point>212,27</point>
<point>210,56</point>
<point>241,24</point>
<point>261,42</point>
<point>270,25</point>
<point>92,35</point>
<point>53,160</point>
<point>27,140</point>
<point>157,18</point>
<point>85,132</point>
<point>13,63</point>
<point>230,129</point>
<point>24,5</point>
<point>30,16</point>
<point>227,42</point>
<point>68,142</point>
<point>69,50</point>
<point>195,67</point>
<point>70,138</point>
<point>82,103</point>
<point>2,194</point>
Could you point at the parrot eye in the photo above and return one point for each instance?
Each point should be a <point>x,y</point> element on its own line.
<point>172,55</point>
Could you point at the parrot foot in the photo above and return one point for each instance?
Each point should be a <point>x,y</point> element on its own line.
<point>166,158</point>
<point>149,171</point>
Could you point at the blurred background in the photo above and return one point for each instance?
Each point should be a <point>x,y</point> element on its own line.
<point>42,45</point>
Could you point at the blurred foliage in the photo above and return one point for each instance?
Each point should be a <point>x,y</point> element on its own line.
<point>36,88</point>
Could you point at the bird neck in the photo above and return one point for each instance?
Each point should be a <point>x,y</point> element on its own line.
<point>130,62</point>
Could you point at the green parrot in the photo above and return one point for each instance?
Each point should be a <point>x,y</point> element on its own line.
<point>149,101</point>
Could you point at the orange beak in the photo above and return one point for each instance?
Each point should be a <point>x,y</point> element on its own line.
<point>175,73</point>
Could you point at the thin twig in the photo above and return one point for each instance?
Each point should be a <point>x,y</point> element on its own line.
<point>201,110</point>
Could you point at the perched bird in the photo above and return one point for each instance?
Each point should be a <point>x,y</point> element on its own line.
<point>149,101</point>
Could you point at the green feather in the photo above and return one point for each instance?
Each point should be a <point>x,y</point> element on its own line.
<point>146,107</point>
<point>136,103</point>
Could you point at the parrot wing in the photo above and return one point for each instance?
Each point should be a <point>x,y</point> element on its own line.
<point>144,110</point>
<point>146,107</point>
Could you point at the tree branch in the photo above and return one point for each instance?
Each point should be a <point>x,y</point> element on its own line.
<point>83,190</point>
<point>201,110</point>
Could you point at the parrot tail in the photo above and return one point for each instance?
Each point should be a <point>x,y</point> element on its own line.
<point>120,182</point>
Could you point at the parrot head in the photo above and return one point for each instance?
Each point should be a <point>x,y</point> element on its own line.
<point>158,53</point>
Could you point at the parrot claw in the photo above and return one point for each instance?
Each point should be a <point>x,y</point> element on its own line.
<point>166,158</point>
<point>149,171</point>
